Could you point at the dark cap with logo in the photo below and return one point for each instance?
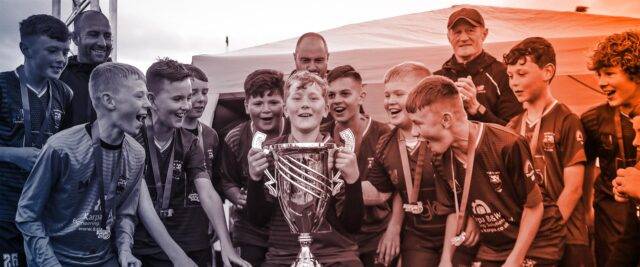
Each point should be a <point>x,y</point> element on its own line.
<point>469,14</point>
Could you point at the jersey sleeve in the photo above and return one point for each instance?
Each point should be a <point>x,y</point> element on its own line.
<point>377,174</point>
<point>194,162</point>
<point>46,172</point>
<point>591,139</point>
<point>572,141</point>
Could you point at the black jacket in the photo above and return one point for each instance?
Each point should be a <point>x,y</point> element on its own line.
<point>490,77</point>
<point>76,75</point>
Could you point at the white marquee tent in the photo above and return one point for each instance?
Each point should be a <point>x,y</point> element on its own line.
<point>374,46</point>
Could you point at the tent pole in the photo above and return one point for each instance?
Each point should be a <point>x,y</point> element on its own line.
<point>113,15</point>
<point>55,8</point>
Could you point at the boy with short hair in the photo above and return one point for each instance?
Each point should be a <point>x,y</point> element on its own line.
<point>555,138</point>
<point>609,133</point>
<point>402,165</point>
<point>491,166</point>
<point>178,182</point>
<point>264,104</point>
<point>305,107</point>
<point>79,204</point>
<point>34,102</point>
<point>345,98</point>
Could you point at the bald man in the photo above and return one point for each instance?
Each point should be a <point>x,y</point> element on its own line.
<point>312,54</point>
<point>92,36</point>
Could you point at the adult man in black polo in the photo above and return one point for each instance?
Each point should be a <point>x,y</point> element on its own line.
<point>92,36</point>
<point>481,79</point>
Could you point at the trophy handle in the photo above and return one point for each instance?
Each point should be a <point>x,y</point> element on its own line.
<point>350,145</point>
<point>256,142</point>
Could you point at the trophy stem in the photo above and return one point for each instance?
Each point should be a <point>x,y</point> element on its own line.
<point>305,257</point>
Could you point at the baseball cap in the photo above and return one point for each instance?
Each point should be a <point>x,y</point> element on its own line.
<point>469,14</point>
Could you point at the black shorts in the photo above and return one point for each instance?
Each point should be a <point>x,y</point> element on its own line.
<point>577,256</point>
<point>11,245</point>
<point>202,258</point>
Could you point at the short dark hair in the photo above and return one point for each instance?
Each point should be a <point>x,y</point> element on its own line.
<point>77,22</point>
<point>621,50</point>
<point>46,25</point>
<point>312,35</point>
<point>344,71</point>
<point>165,69</point>
<point>196,72</point>
<point>430,90</point>
<point>537,48</point>
<point>264,82</point>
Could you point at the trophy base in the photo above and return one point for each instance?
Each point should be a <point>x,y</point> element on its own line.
<point>305,257</point>
<point>306,263</point>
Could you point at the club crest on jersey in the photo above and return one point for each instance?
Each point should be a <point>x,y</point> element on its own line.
<point>57,117</point>
<point>177,169</point>
<point>193,197</point>
<point>529,171</point>
<point>494,179</point>
<point>479,207</point>
<point>122,184</point>
<point>548,141</point>
<point>579,137</point>
<point>210,153</point>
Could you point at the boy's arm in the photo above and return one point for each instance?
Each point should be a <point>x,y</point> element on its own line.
<point>572,192</point>
<point>24,157</point>
<point>529,225</point>
<point>212,205</point>
<point>371,196</point>
<point>35,194</point>
<point>155,227</point>
<point>229,175</point>
<point>389,245</point>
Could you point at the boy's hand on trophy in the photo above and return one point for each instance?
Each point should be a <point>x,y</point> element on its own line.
<point>347,163</point>
<point>258,163</point>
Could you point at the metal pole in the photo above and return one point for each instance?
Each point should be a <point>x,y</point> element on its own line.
<point>55,8</point>
<point>113,14</point>
<point>95,5</point>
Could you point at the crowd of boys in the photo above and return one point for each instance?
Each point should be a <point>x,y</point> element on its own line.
<point>478,165</point>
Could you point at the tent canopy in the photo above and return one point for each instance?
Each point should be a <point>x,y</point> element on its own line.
<point>373,47</point>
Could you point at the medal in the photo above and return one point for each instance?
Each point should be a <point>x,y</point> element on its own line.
<point>416,208</point>
<point>457,240</point>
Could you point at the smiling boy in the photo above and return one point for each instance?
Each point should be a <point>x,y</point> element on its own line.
<point>176,175</point>
<point>518,224</point>
<point>305,107</point>
<point>33,104</point>
<point>345,98</point>
<point>556,140</point>
<point>609,134</point>
<point>79,204</point>
<point>264,104</point>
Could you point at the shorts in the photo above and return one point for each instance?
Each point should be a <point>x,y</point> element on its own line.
<point>11,245</point>
<point>202,258</point>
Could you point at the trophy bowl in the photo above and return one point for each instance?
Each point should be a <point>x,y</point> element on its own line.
<point>303,185</point>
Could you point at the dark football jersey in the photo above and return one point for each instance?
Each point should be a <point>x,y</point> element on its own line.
<point>387,175</point>
<point>560,145</point>
<point>189,224</point>
<point>503,183</point>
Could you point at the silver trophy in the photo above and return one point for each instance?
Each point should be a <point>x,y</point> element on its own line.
<point>303,185</point>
